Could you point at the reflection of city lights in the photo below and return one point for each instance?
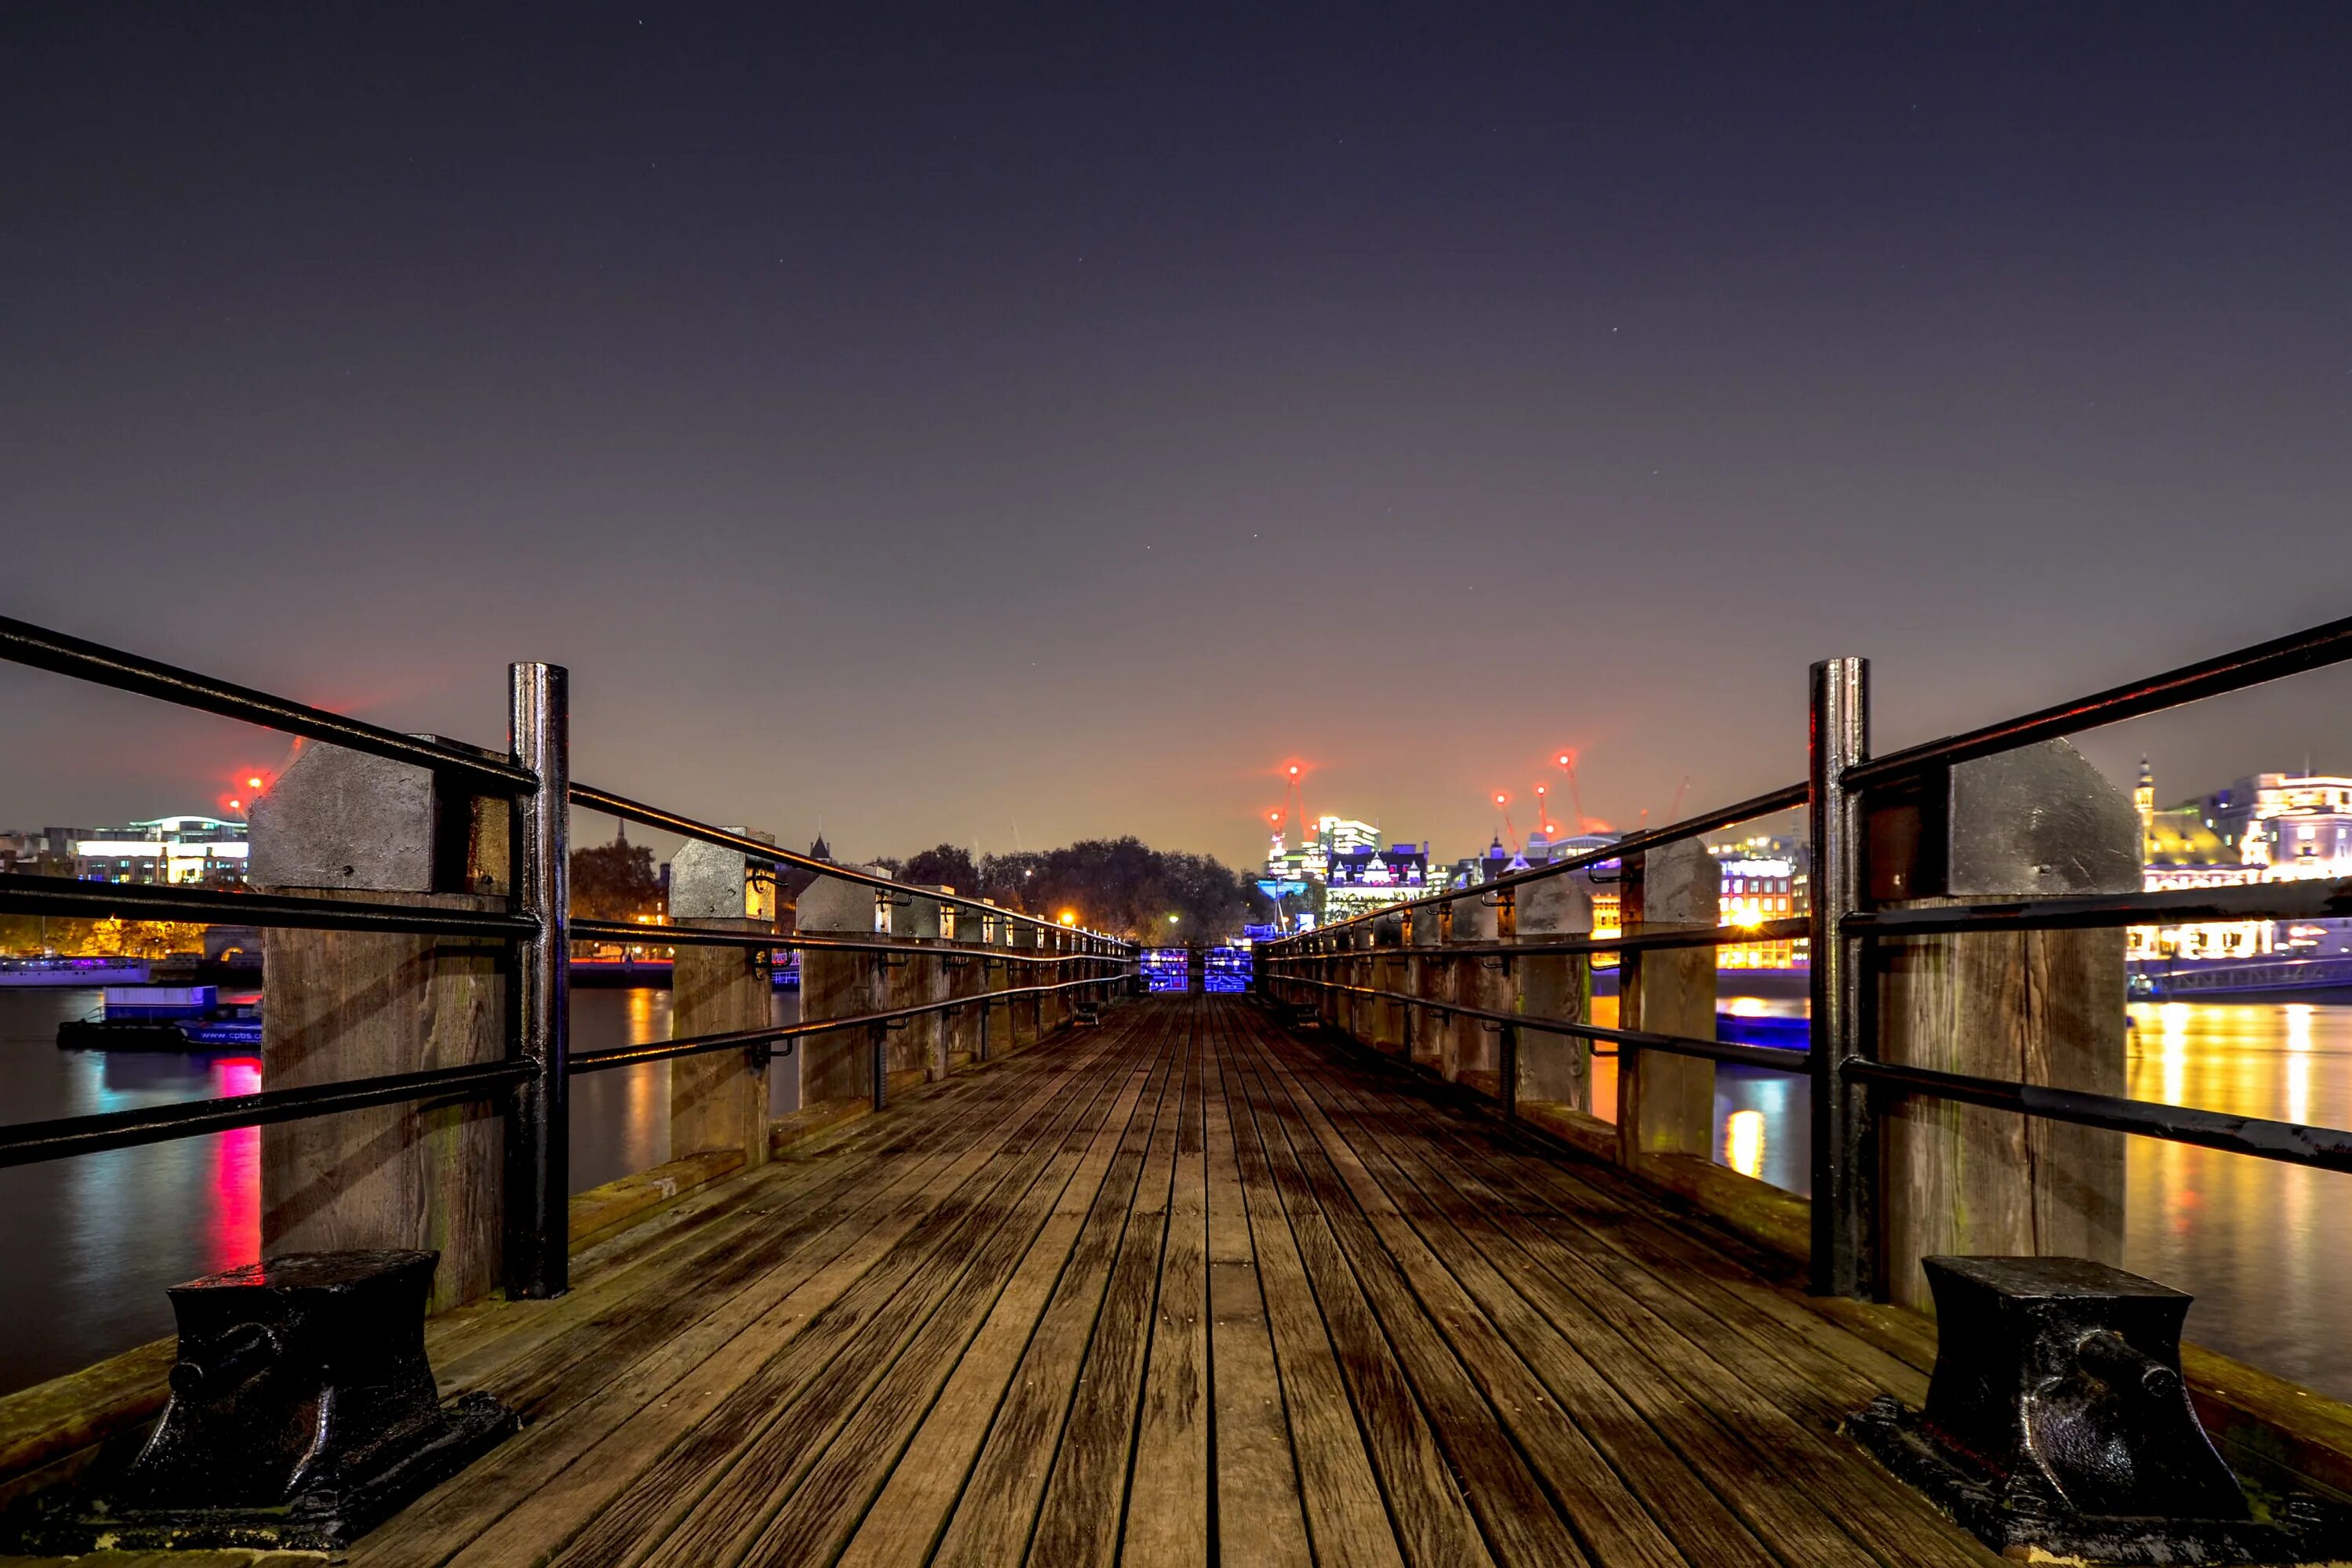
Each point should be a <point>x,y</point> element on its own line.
<point>1743,1142</point>
<point>1746,1007</point>
<point>2173,1016</point>
<point>2298,1027</point>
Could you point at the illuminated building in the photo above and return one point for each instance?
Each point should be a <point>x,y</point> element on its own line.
<point>2265,827</point>
<point>1341,856</point>
<point>1477,870</point>
<point>1764,879</point>
<point>1345,834</point>
<point>1369,877</point>
<point>202,851</point>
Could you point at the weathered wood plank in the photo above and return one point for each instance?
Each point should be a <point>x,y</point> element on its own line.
<point>1759,1382</point>
<point>825,1504</point>
<point>997,1512</point>
<point>559,1474</point>
<point>1168,1507</point>
<point>1259,1516</point>
<point>1698,1479</point>
<point>714,1490</point>
<point>999,1401</point>
<point>1079,1521</point>
<point>1508,1502</point>
<point>1433,1521</point>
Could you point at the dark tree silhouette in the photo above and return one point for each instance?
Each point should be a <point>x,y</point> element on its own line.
<point>946,865</point>
<point>1122,886</point>
<point>614,881</point>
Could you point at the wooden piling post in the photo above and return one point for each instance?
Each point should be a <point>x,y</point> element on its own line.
<point>1389,973</point>
<point>718,1100</point>
<point>354,1004</point>
<point>919,979</point>
<point>966,981</point>
<point>1554,1068</point>
<point>1424,1024</point>
<point>1471,1052</point>
<point>838,1065</point>
<point>1053,1006</point>
<point>1020,1012</point>
<point>2045,1006</point>
<point>1665,1103</point>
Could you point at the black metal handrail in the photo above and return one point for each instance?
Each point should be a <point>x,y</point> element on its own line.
<point>2327,1148</point>
<point>1772,1057</point>
<point>25,1143</point>
<point>1839,1057</point>
<point>63,897</point>
<point>698,1044</point>
<point>534,773</point>
<point>813,942</point>
<point>22,643</point>
<point>2313,648</point>
<point>760,850</point>
<point>2315,898</point>
<point>1795,929</point>
<point>1788,798</point>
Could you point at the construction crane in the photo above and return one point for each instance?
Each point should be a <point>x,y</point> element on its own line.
<point>1576,793</point>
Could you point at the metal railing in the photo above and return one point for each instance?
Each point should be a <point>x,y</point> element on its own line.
<point>531,1083</point>
<point>1848,1084</point>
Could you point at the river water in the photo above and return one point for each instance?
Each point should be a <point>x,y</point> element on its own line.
<point>2265,1247</point>
<point>90,1243</point>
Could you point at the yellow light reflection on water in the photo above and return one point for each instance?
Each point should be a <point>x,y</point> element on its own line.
<point>1604,1069</point>
<point>2265,1247</point>
<point>1743,1142</point>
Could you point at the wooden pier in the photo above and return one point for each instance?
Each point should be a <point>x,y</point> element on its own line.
<point>1346,1272</point>
<point>1180,1289</point>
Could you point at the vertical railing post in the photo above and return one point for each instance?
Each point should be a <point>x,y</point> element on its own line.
<point>1845,1152</point>
<point>537,1253</point>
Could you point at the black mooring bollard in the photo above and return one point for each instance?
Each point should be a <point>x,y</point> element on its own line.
<point>2057,1419</point>
<point>303,1412</point>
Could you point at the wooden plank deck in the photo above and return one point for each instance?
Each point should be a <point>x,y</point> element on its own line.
<point>1180,1289</point>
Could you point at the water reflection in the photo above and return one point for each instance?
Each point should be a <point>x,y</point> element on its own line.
<point>2266,1248</point>
<point>1743,1141</point>
<point>92,1242</point>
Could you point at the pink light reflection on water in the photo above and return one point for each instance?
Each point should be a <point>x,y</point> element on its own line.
<point>232,1218</point>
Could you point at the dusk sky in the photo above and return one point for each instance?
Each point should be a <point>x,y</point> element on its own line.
<point>994,425</point>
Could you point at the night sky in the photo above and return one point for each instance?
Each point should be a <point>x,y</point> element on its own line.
<point>1012,427</point>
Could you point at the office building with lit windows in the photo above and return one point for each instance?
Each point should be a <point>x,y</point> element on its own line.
<point>2265,827</point>
<point>199,851</point>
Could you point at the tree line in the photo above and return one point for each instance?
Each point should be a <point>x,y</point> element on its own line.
<point>1121,886</point>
